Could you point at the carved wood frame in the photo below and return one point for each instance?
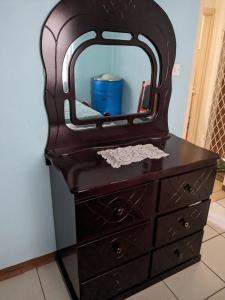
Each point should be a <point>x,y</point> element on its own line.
<point>68,21</point>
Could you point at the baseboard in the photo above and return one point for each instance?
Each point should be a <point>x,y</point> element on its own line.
<point>26,266</point>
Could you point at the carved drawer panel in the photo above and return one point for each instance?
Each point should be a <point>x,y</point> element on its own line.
<point>113,212</point>
<point>179,224</point>
<point>186,189</point>
<point>105,254</point>
<point>116,281</point>
<point>176,254</point>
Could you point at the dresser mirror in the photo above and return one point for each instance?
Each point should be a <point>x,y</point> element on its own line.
<point>111,79</point>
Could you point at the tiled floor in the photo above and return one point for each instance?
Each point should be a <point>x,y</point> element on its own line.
<point>218,193</point>
<point>205,280</point>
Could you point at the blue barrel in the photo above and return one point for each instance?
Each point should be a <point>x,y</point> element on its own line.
<point>107,95</point>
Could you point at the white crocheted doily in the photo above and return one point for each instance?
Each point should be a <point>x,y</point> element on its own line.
<point>124,156</point>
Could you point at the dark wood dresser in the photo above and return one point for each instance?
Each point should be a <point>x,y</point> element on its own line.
<point>119,231</point>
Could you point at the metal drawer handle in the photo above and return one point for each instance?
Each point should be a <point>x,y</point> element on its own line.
<point>120,212</point>
<point>117,249</point>
<point>188,188</point>
<point>186,225</point>
<point>178,254</point>
<point>117,282</point>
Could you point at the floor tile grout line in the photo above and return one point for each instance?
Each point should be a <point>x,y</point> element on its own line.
<point>41,284</point>
<point>219,233</point>
<point>213,272</point>
<point>170,290</point>
<point>220,204</point>
<point>214,294</point>
<point>211,238</point>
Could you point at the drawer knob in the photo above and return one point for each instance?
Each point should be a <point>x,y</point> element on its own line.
<point>178,254</point>
<point>186,224</point>
<point>188,188</point>
<point>120,211</point>
<point>117,282</point>
<point>118,251</point>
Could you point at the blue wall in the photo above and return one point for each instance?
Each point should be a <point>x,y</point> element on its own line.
<point>26,222</point>
<point>184,17</point>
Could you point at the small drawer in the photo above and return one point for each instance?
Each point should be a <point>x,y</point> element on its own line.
<point>186,189</point>
<point>175,254</point>
<point>117,281</point>
<point>114,212</point>
<point>98,257</point>
<point>184,222</point>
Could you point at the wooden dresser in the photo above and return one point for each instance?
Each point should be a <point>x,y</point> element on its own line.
<point>119,231</point>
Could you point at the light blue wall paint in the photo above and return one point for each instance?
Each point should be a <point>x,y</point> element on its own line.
<point>127,64</point>
<point>184,17</point>
<point>26,221</point>
<point>93,61</point>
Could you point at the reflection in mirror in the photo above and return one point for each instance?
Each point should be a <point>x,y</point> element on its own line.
<point>109,79</point>
<point>65,73</point>
<point>143,39</point>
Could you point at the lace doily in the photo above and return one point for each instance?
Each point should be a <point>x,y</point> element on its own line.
<point>124,156</point>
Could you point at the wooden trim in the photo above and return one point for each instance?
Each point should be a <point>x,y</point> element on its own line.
<point>223,188</point>
<point>26,266</point>
<point>204,47</point>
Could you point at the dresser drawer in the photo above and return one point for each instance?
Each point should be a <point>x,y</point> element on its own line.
<point>105,254</point>
<point>113,212</point>
<point>176,254</point>
<point>117,281</point>
<point>186,189</point>
<point>184,222</point>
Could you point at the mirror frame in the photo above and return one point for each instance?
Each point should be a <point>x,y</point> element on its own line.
<point>100,40</point>
<point>70,19</point>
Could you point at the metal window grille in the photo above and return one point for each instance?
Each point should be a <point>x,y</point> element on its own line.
<point>215,139</point>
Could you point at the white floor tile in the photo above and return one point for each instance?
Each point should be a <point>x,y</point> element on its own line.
<point>158,291</point>
<point>218,296</point>
<point>221,202</point>
<point>22,287</point>
<point>216,218</point>
<point>209,233</point>
<point>213,254</point>
<point>52,282</point>
<point>194,283</point>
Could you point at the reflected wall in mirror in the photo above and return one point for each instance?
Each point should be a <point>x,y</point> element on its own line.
<point>110,80</point>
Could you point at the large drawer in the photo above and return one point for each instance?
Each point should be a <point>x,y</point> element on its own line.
<point>175,254</point>
<point>117,281</point>
<point>182,223</point>
<point>114,212</point>
<point>186,189</point>
<point>97,257</point>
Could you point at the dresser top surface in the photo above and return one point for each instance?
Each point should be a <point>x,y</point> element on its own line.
<point>88,174</point>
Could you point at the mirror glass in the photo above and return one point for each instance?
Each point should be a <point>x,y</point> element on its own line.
<point>110,80</point>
